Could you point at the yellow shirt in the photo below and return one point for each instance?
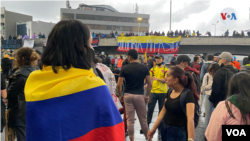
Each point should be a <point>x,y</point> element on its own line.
<point>157,86</point>
<point>122,34</point>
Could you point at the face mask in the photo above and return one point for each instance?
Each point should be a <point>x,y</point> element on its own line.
<point>160,64</point>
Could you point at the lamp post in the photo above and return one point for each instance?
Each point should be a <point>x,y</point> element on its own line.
<point>170,15</point>
<point>215,27</point>
<point>139,19</point>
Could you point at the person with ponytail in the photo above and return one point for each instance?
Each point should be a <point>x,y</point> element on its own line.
<point>26,60</point>
<point>234,110</point>
<point>177,125</point>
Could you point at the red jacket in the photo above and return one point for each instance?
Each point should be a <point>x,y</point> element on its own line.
<point>191,69</point>
<point>197,66</point>
<point>113,61</point>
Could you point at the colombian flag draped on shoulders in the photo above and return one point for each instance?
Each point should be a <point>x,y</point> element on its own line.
<point>72,105</point>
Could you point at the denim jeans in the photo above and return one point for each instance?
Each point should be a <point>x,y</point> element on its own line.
<point>153,98</point>
<point>208,109</point>
<point>173,133</point>
<point>202,104</point>
<point>21,133</point>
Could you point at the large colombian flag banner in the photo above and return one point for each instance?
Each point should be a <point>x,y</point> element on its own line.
<point>149,44</point>
<point>72,105</point>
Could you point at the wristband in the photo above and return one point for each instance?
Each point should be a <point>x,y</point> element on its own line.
<point>190,139</point>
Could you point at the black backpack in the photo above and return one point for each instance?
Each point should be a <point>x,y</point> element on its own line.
<point>183,105</point>
<point>196,80</point>
<point>228,76</point>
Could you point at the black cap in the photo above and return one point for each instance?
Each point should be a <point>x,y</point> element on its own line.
<point>133,53</point>
<point>159,56</point>
<point>182,58</point>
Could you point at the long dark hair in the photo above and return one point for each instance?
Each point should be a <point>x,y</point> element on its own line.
<point>185,79</point>
<point>213,67</point>
<point>239,86</point>
<point>68,45</point>
<point>121,57</point>
<point>26,57</point>
<point>125,62</point>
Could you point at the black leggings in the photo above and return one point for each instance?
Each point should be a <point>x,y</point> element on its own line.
<point>6,73</point>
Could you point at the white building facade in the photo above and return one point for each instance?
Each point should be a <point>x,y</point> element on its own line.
<point>104,19</point>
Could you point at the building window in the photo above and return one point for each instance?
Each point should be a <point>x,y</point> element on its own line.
<point>87,8</point>
<point>99,9</point>
<point>2,15</point>
<point>127,28</point>
<point>100,27</point>
<point>143,29</point>
<point>119,28</point>
<point>2,24</point>
<point>90,17</point>
<point>116,28</point>
<point>110,27</point>
<point>130,20</point>
<point>103,18</point>
<point>118,19</point>
<point>110,18</point>
<point>100,18</point>
<point>68,16</point>
<point>81,16</point>
<point>124,19</point>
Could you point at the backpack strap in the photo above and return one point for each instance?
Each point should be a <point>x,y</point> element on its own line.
<point>183,99</point>
<point>153,71</point>
<point>207,78</point>
<point>163,70</point>
<point>169,92</point>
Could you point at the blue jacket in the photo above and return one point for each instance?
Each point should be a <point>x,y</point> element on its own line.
<point>204,69</point>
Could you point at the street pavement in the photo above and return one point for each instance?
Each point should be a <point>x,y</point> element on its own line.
<point>199,131</point>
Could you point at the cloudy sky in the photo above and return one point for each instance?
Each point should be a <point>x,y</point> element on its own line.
<point>186,14</point>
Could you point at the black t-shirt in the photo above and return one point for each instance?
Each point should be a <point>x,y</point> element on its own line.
<point>174,114</point>
<point>3,85</point>
<point>134,74</point>
<point>150,64</point>
<point>116,76</point>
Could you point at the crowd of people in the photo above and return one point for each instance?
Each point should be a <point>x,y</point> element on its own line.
<point>69,92</point>
<point>34,36</point>
<point>236,33</point>
<point>184,33</point>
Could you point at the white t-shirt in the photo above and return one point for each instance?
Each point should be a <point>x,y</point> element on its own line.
<point>110,80</point>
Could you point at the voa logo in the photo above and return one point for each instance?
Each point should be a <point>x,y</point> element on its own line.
<point>236,132</point>
<point>228,16</point>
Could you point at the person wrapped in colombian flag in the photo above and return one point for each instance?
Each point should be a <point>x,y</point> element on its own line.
<point>65,101</point>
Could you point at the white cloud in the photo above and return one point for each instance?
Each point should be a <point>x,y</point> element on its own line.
<point>191,14</point>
